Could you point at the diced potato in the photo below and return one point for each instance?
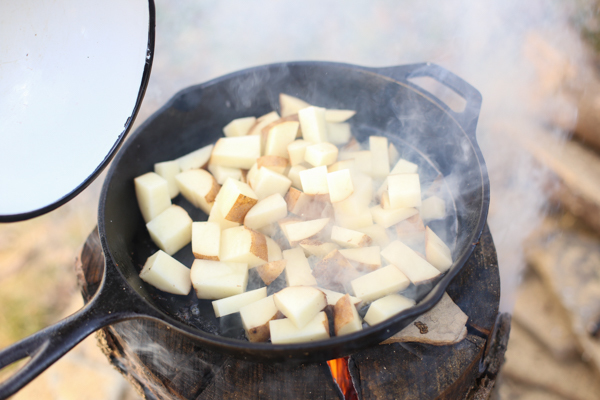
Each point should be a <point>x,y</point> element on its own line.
<point>340,185</point>
<point>168,170</point>
<point>297,150</point>
<point>171,230</point>
<point>302,204</point>
<point>321,154</point>
<point>268,230</point>
<point>349,238</point>
<point>314,180</point>
<point>280,137</point>
<point>436,251</point>
<point>221,173</point>
<point>358,202</point>
<point>217,216</point>
<point>243,245</point>
<point>256,317</point>
<point>152,192</point>
<point>313,125</point>
<point>363,160</point>
<point>379,283</point>
<point>198,187</point>
<point>268,182</point>
<point>299,231</point>
<point>196,159</point>
<point>408,261</point>
<point>334,271</point>
<point>404,167</point>
<point>274,163</point>
<point>283,331</point>
<point>270,271</point>
<point>366,257</point>
<point>333,297</point>
<point>236,152</point>
<point>393,154</point>
<point>233,304</point>
<point>262,122</point>
<point>411,231</point>
<point>215,280</point>
<point>294,175</point>
<point>352,145</point>
<point>380,156</point>
<point>338,133</point>
<point>297,269</point>
<point>167,274</point>
<point>346,319</point>
<point>206,240</point>
<point>387,307</point>
<point>300,304</point>
<point>317,247</point>
<point>387,218</point>
<point>404,190</point>
<point>332,115</point>
<point>340,165</point>
<point>251,175</point>
<point>273,250</point>
<point>290,105</point>
<point>354,221</point>
<point>239,126</point>
<point>378,233</point>
<point>267,211</point>
<point>433,208</point>
<point>283,223</point>
<point>236,199</point>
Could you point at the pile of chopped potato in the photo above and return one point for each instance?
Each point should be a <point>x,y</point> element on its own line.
<point>297,195</point>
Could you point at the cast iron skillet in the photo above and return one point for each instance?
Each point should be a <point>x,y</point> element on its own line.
<point>386,102</point>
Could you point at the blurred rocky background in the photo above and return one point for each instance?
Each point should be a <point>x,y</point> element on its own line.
<point>537,66</point>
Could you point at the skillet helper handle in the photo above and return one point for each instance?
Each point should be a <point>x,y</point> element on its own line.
<point>469,116</point>
<point>48,345</point>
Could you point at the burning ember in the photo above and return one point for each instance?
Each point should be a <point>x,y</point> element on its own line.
<point>341,374</point>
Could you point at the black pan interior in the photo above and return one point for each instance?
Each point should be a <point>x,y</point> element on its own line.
<point>195,117</point>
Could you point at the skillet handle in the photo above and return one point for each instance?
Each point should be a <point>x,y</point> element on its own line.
<point>469,116</point>
<point>48,345</point>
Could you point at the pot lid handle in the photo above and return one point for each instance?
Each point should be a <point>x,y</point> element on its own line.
<point>72,76</point>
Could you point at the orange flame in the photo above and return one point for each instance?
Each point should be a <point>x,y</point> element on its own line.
<point>341,374</point>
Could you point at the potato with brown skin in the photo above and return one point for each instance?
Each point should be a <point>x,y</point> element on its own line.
<point>262,333</point>
<point>242,244</point>
<point>334,271</point>
<point>236,199</point>
<point>274,163</point>
<point>270,271</point>
<point>346,319</point>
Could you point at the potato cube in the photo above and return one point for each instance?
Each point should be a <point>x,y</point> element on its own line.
<point>243,245</point>
<point>321,154</point>
<point>198,187</point>
<point>273,250</point>
<point>216,216</point>
<point>436,251</point>
<point>215,280</point>
<point>236,199</point>
<point>262,122</point>
<point>195,159</point>
<point>379,283</point>
<point>267,211</point>
<point>300,303</point>
<point>297,269</point>
<point>274,163</point>
<point>280,137</point>
<point>349,238</point>
<point>387,307</point>
<point>333,297</point>
<point>393,154</point>
<point>297,150</point>
<point>313,125</point>
<point>340,165</point>
<point>221,173</point>
<point>152,192</point>
<point>284,331</point>
<point>206,240</point>
<point>270,271</point>
<point>317,247</point>
<point>168,170</point>
<point>404,167</point>
<point>236,152</point>
<point>389,217</point>
<point>256,317</point>
<point>171,229</point>
<point>314,180</point>
<point>359,200</point>
<point>363,160</point>
<point>366,257</point>
<point>167,274</point>
<point>340,185</point>
<point>294,175</point>
<point>239,126</point>
<point>332,115</point>
<point>303,205</point>
<point>290,105</point>
<point>334,271</point>
<point>298,231</point>
<point>378,233</point>
<point>404,190</point>
<point>354,221</point>
<point>433,208</point>
<point>346,319</point>
<point>338,133</point>
<point>233,304</point>
<point>380,156</point>
<point>408,261</point>
<point>268,182</point>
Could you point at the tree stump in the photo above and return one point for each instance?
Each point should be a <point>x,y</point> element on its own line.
<point>162,364</point>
